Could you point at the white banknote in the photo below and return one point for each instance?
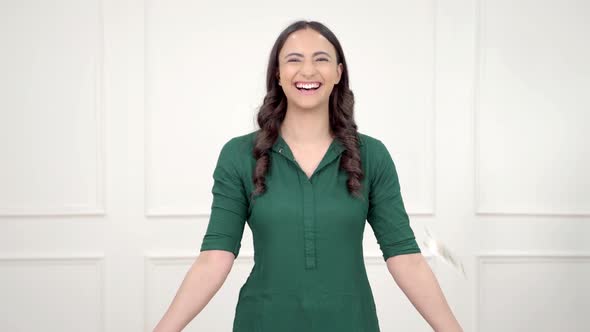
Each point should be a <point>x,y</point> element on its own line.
<point>442,252</point>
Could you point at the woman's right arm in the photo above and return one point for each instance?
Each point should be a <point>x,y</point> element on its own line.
<point>200,284</point>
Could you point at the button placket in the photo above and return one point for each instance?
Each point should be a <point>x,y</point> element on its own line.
<point>309,252</point>
<point>309,225</point>
<point>309,221</point>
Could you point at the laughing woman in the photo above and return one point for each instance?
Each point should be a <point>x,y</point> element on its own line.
<point>306,183</point>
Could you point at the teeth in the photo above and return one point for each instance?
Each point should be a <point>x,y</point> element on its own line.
<point>308,86</point>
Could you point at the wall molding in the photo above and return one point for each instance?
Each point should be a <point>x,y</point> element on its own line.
<point>96,208</point>
<point>96,260</point>
<point>480,56</point>
<point>504,257</point>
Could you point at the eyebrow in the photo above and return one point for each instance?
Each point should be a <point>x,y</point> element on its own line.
<point>301,55</point>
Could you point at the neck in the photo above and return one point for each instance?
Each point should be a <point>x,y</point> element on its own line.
<point>306,126</point>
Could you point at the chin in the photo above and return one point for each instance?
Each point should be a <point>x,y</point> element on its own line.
<point>308,106</point>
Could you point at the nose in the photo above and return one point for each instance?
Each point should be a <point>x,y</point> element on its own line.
<point>308,68</point>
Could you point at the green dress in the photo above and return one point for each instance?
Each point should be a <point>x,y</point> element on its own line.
<point>309,273</point>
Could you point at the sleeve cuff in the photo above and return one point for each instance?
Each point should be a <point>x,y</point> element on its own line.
<point>409,246</point>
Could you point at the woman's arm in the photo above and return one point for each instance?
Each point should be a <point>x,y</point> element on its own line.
<point>200,284</point>
<point>413,275</point>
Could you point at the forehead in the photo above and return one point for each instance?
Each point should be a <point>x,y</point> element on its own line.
<point>307,41</point>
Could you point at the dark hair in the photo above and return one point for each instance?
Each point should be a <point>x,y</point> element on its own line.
<point>274,107</point>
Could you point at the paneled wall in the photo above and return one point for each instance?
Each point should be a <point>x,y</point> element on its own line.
<point>112,115</point>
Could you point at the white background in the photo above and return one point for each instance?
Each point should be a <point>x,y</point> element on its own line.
<point>112,115</point>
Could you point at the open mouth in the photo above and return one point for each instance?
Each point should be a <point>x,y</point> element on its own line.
<point>308,88</point>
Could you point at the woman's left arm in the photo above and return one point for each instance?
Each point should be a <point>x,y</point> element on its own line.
<point>413,275</point>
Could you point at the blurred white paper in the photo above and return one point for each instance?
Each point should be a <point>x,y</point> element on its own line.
<point>441,251</point>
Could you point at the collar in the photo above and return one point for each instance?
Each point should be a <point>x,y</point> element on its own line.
<point>336,146</point>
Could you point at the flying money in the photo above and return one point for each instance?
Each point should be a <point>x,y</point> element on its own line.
<point>441,251</point>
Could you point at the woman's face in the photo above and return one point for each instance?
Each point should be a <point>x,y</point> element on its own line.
<point>309,59</point>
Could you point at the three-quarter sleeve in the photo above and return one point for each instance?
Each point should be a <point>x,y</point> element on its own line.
<point>387,215</point>
<point>230,205</point>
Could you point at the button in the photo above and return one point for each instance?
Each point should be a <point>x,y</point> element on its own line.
<point>281,150</point>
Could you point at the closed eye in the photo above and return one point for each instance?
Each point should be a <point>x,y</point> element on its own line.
<point>320,59</point>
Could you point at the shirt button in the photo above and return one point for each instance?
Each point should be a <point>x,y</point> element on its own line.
<point>281,150</point>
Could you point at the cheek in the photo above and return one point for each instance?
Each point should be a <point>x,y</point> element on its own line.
<point>287,77</point>
<point>329,73</point>
<point>287,71</point>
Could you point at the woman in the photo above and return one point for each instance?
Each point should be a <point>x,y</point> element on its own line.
<point>305,183</point>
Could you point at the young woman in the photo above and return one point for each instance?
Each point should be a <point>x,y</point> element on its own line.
<point>305,183</point>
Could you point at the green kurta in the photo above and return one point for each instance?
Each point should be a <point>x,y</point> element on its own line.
<point>309,273</point>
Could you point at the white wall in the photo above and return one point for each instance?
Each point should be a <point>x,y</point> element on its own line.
<point>112,114</point>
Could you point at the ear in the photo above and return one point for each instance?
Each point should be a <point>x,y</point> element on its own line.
<point>340,68</point>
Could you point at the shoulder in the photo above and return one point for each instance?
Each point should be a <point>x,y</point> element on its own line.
<point>372,146</point>
<point>236,153</point>
<point>376,158</point>
<point>238,145</point>
<point>366,140</point>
